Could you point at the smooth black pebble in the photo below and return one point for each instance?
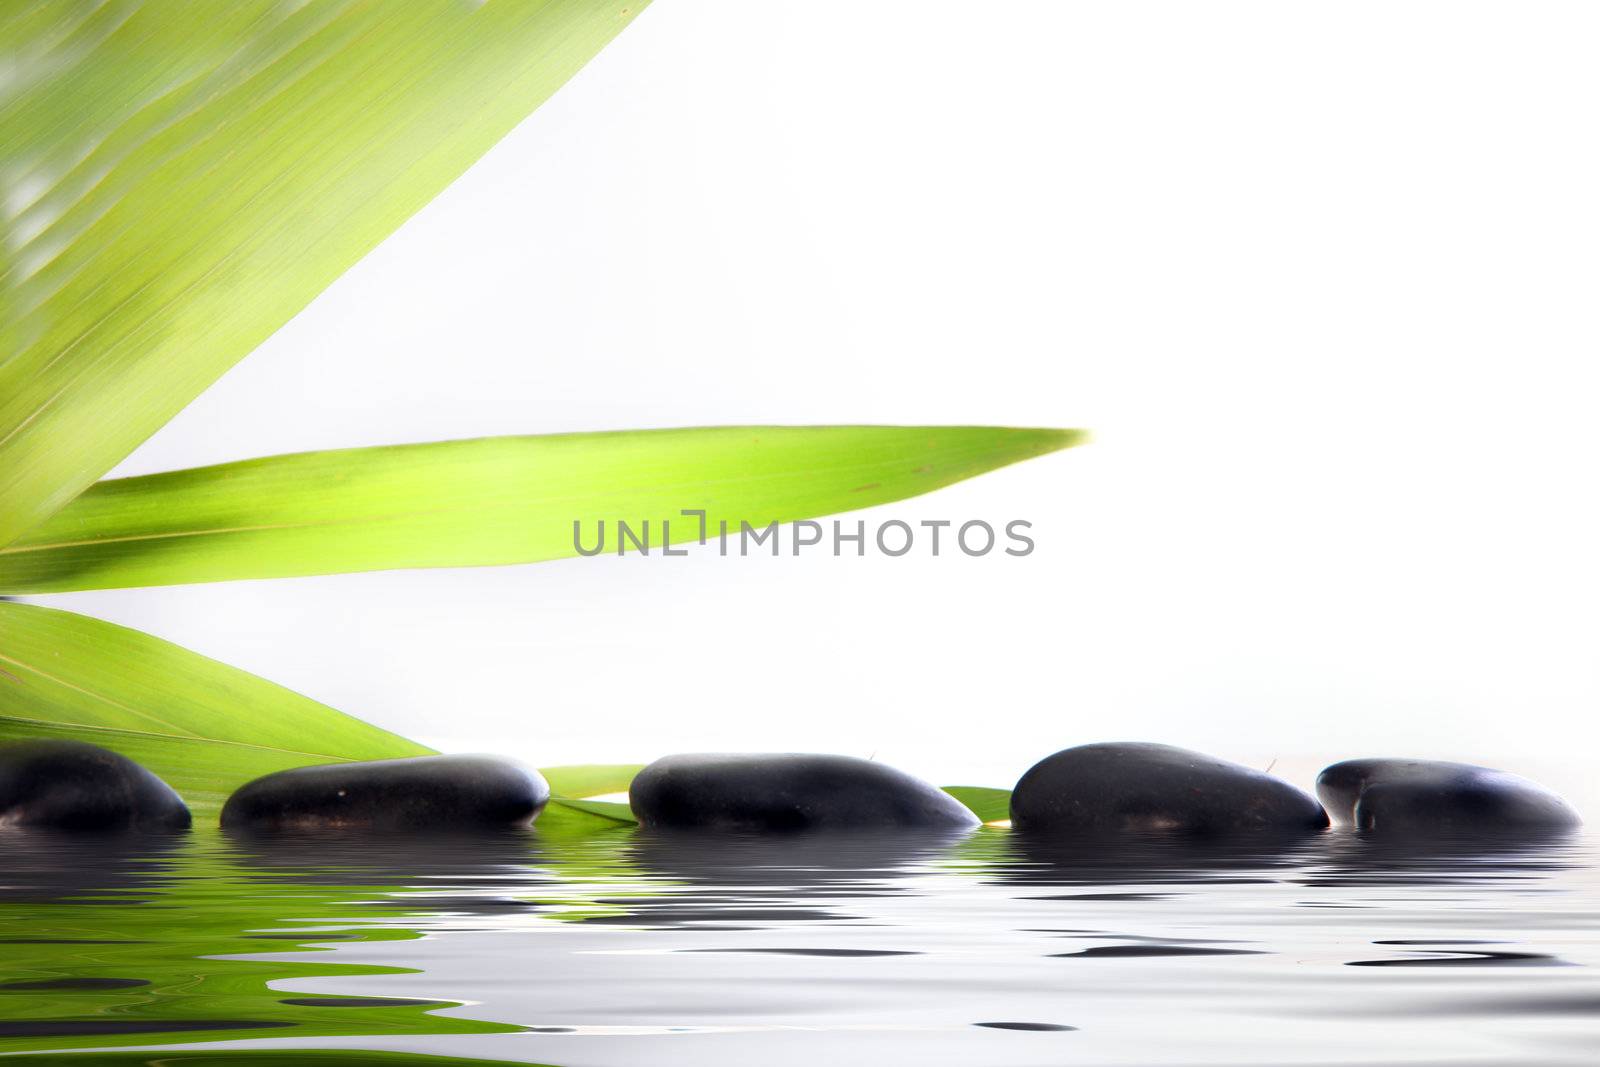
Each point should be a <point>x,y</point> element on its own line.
<point>789,792</point>
<point>1134,787</point>
<point>1411,796</point>
<point>72,786</point>
<point>425,793</point>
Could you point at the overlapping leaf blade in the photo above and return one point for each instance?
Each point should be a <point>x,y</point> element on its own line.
<point>488,501</point>
<point>203,726</point>
<point>572,811</point>
<point>179,179</point>
<point>207,728</point>
<point>986,802</point>
<point>582,781</point>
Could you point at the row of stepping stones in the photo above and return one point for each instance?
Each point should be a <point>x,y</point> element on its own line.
<point>1098,789</point>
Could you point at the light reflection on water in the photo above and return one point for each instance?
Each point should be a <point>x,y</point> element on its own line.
<point>628,948</point>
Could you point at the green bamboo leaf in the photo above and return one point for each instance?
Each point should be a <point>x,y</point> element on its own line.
<point>571,813</point>
<point>180,177</point>
<point>611,811</point>
<point>255,1057</point>
<point>203,726</point>
<point>987,803</point>
<point>580,781</point>
<point>561,822</point>
<point>489,501</point>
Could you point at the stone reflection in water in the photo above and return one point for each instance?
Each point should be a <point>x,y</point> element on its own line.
<point>1444,859</point>
<point>637,947</point>
<point>718,879</point>
<point>360,858</point>
<point>43,867</point>
<point>1150,859</point>
<point>433,873</point>
<point>114,937</point>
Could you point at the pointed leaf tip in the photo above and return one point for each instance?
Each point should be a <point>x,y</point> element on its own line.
<point>488,501</point>
<point>212,173</point>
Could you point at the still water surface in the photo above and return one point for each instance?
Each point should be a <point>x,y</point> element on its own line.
<point>627,949</point>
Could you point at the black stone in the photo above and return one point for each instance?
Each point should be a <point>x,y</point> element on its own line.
<point>71,785</point>
<point>1429,796</point>
<point>787,792</point>
<point>419,794</point>
<point>1123,787</point>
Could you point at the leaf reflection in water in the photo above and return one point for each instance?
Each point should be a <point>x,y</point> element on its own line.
<point>633,947</point>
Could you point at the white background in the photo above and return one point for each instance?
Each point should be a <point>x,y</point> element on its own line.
<point>1322,278</point>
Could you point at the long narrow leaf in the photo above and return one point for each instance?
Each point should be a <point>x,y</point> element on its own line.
<point>180,177</point>
<point>610,810</point>
<point>986,802</point>
<point>203,726</point>
<point>571,813</point>
<point>492,501</point>
<point>581,781</point>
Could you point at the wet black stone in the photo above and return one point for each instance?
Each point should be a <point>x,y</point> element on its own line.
<point>1131,787</point>
<point>425,793</point>
<point>74,786</point>
<point>788,792</point>
<point>1406,796</point>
